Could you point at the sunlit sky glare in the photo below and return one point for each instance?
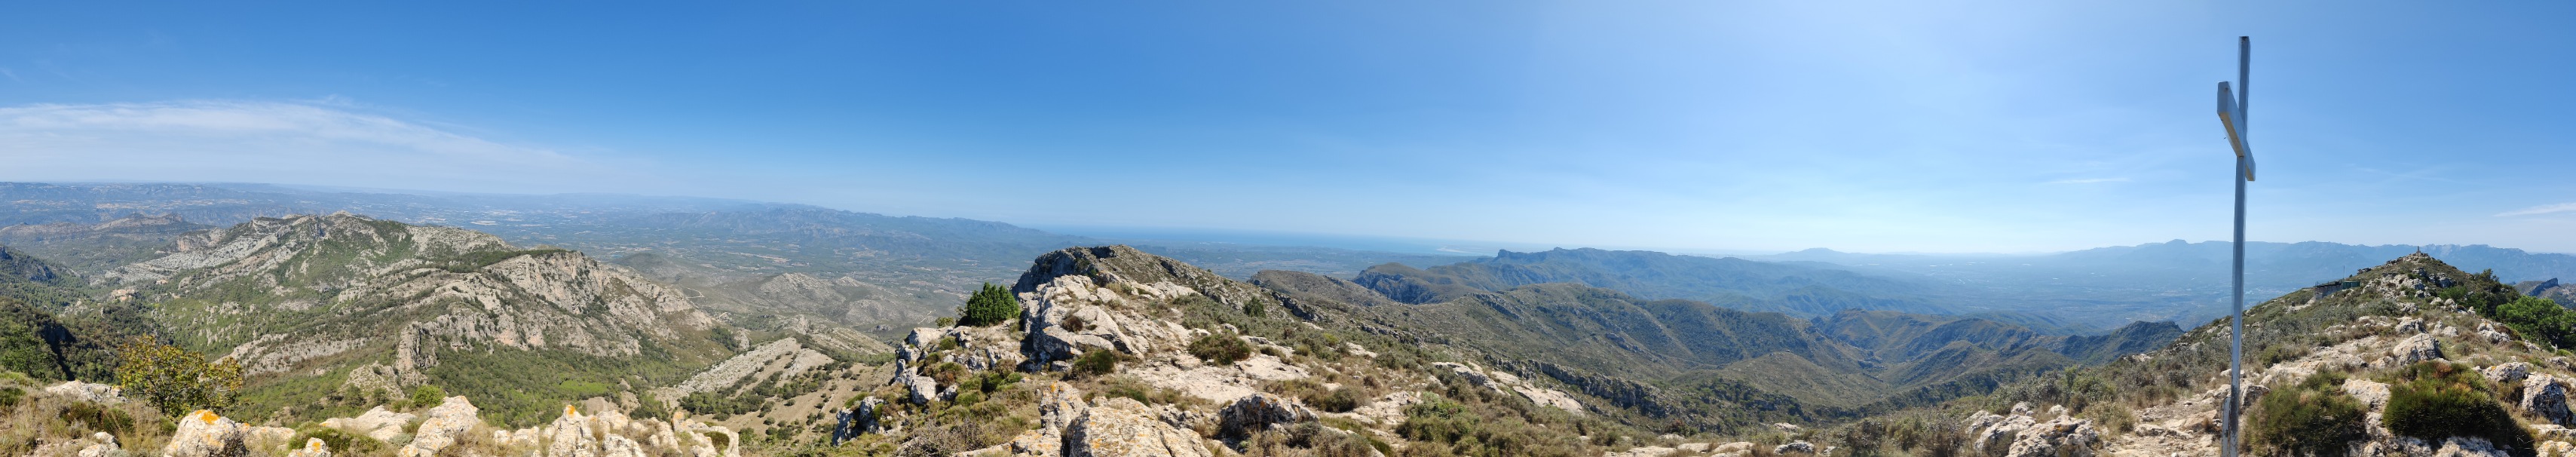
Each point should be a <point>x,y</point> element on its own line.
<point>1739,125</point>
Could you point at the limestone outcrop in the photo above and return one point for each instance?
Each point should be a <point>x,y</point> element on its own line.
<point>1259,412</point>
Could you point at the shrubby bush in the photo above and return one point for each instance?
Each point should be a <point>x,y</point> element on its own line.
<point>989,306</point>
<point>175,379</point>
<point>1220,348</point>
<point>2312,418</point>
<point>1095,363</point>
<point>1341,400</point>
<point>2434,400</point>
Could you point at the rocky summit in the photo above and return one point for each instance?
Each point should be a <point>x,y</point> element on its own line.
<point>365,337</point>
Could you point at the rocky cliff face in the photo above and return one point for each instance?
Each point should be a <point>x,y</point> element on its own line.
<point>390,302</point>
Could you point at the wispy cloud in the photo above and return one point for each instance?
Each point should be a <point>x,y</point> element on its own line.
<point>13,76</point>
<point>2542,209</point>
<point>2088,180</point>
<point>256,141</point>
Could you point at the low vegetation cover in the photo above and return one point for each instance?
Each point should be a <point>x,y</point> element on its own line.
<point>2311,418</point>
<point>1220,348</point>
<point>2436,400</point>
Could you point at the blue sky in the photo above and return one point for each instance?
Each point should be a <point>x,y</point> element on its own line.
<point>1700,125</point>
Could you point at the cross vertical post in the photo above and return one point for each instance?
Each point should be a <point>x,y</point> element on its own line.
<point>2231,113</point>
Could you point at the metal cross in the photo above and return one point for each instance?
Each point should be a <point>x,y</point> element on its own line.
<point>2231,112</point>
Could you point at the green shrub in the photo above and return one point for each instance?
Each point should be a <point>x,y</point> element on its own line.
<point>341,442</point>
<point>10,396</point>
<point>945,372</point>
<point>1220,348</point>
<point>2312,418</point>
<point>991,305</point>
<point>1337,401</point>
<point>651,408</point>
<point>1437,420</point>
<point>425,397</point>
<point>991,381</point>
<point>174,379</point>
<point>2436,400</point>
<point>1255,309</point>
<point>1095,363</point>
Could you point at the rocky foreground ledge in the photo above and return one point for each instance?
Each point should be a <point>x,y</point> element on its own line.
<point>453,428</point>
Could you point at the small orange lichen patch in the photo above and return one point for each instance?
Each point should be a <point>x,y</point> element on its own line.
<point>312,444</point>
<point>568,411</point>
<point>207,416</point>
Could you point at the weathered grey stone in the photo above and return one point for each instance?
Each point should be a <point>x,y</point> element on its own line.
<point>1795,447</point>
<point>2372,394</point>
<point>206,434</point>
<point>93,393</point>
<point>2544,396</point>
<point>1258,412</point>
<point>375,423</point>
<point>443,426</point>
<point>313,447</point>
<point>1121,427</point>
<point>2063,437</point>
<point>2418,348</point>
<point>2508,372</point>
<point>103,445</point>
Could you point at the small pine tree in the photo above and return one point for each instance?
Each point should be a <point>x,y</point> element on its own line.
<point>990,306</point>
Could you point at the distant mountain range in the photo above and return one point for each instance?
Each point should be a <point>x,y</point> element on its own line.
<point>901,271</point>
<point>915,268</point>
<point>2175,280</point>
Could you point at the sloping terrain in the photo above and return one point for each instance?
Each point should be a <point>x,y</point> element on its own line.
<point>95,247</point>
<point>721,249</point>
<point>309,304</point>
<point>2409,357</point>
<point>1838,366</point>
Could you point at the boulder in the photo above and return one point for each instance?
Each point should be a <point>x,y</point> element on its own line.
<point>2372,394</point>
<point>1648,451</point>
<point>2002,434</point>
<point>619,446</point>
<point>93,393</point>
<point>445,423</point>
<point>375,423</point>
<point>1058,405</point>
<point>102,445</point>
<point>2418,348</point>
<point>923,389</point>
<point>1258,412</point>
<point>2468,447</point>
<point>2488,331</point>
<point>313,447</point>
<point>571,436</point>
<point>2544,396</point>
<point>2509,372</point>
<point>859,420</point>
<point>2408,326</point>
<point>1795,447</point>
<point>2062,437</point>
<point>1121,427</point>
<point>206,434</point>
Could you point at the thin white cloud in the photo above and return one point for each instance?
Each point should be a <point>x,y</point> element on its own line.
<point>2542,209</point>
<point>253,141</point>
<point>2088,180</point>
